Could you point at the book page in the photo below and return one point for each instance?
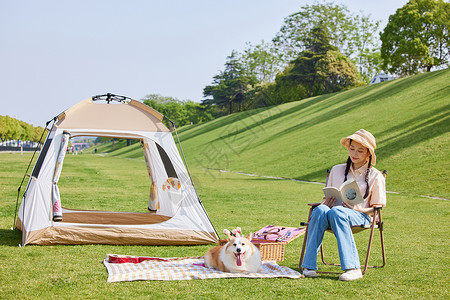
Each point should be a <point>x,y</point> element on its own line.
<point>351,193</point>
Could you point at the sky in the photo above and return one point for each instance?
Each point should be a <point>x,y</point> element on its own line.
<point>54,53</point>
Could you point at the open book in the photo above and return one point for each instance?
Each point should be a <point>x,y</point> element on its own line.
<point>348,192</point>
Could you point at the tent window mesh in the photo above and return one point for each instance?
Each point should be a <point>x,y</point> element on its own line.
<point>41,158</point>
<point>167,163</point>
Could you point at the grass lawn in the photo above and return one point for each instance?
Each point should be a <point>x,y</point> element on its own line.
<point>410,119</point>
<point>416,233</point>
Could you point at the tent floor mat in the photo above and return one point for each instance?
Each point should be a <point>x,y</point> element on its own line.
<point>111,218</point>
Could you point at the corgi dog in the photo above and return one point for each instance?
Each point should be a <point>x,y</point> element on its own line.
<point>238,255</point>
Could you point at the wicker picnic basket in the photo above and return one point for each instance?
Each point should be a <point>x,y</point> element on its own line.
<point>269,251</point>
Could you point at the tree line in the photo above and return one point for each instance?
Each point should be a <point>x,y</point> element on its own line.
<point>322,48</point>
<point>13,129</point>
<point>181,112</point>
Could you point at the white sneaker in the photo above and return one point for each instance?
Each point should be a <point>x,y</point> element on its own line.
<point>351,274</point>
<point>309,273</point>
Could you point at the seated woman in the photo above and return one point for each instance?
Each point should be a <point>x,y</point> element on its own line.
<point>361,148</point>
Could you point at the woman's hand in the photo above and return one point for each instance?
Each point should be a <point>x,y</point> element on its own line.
<point>330,201</point>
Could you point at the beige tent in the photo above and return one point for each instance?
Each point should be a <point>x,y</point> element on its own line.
<point>178,216</point>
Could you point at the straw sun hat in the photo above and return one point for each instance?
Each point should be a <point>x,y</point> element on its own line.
<point>365,138</point>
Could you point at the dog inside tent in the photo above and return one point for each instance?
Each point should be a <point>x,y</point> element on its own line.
<point>176,217</point>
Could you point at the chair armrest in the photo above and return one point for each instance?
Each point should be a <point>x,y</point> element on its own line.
<point>313,205</point>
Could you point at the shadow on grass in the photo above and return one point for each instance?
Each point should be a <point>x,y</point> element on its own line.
<point>10,237</point>
<point>252,119</point>
<point>313,176</point>
<point>328,276</point>
<point>331,107</point>
<point>422,120</point>
<point>338,106</point>
<point>334,99</point>
<point>258,121</point>
<point>371,93</point>
<point>193,132</point>
<point>422,132</point>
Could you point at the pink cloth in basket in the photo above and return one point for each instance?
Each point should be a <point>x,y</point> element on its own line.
<point>272,233</point>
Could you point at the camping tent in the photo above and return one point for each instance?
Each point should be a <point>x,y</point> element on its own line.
<point>177,215</point>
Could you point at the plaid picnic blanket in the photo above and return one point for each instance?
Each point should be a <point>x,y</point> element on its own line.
<point>181,268</point>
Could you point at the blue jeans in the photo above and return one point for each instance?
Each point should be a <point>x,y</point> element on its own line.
<point>339,219</point>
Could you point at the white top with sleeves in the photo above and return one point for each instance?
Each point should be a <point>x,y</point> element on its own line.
<point>377,183</point>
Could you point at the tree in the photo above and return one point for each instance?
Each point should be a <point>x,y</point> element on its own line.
<point>304,68</point>
<point>10,129</point>
<point>26,131</point>
<point>181,112</point>
<point>416,37</point>
<point>353,35</point>
<point>336,71</point>
<point>319,69</point>
<point>13,129</point>
<point>262,62</point>
<point>197,113</point>
<point>219,92</point>
<point>170,107</point>
<point>364,47</point>
<point>295,33</point>
<point>230,86</point>
<point>37,133</point>
<point>288,88</point>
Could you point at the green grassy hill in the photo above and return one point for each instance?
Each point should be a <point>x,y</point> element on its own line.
<point>409,118</point>
<point>297,140</point>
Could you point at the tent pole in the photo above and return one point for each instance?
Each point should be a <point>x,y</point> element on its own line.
<point>189,173</point>
<point>26,172</point>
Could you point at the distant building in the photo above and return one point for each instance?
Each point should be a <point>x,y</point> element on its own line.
<point>18,145</point>
<point>381,77</point>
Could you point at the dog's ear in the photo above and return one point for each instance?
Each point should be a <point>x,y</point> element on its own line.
<point>249,237</point>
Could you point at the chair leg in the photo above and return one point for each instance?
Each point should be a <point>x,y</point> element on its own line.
<point>305,238</point>
<point>303,249</point>
<point>322,255</point>
<point>383,253</point>
<point>369,247</point>
<point>377,214</point>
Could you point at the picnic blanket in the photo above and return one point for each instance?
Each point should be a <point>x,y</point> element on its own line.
<point>181,268</point>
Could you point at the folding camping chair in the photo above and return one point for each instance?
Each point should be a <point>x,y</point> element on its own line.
<point>376,223</point>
